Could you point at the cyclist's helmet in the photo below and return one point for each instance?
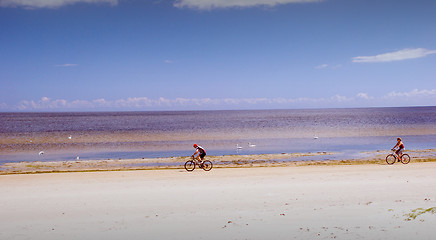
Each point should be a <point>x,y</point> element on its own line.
<point>195,145</point>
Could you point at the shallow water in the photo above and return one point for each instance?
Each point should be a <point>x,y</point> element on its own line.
<point>114,135</point>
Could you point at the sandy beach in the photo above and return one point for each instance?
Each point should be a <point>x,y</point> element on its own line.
<point>369,201</point>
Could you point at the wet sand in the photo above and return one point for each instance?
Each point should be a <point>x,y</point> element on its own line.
<point>365,201</point>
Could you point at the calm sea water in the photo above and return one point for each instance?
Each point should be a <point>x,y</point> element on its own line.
<point>103,135</point>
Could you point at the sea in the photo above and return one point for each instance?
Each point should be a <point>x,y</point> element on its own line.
<point>62,136</point>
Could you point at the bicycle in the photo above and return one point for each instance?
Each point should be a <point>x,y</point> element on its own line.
<point>206,165</point>
<point>393,157</point>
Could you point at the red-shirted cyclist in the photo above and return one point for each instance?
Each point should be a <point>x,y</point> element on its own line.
<point>200,151</point>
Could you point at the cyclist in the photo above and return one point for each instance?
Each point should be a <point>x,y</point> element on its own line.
<point>400,146</point>
<point>201,153</point>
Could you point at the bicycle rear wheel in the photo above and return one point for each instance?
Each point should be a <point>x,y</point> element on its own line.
<point>390,159</point>
<point>405,159</point>
<point>190,165</point>
<point>207,165</point>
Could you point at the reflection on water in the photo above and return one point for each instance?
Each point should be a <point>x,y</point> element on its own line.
<point>115,135</point>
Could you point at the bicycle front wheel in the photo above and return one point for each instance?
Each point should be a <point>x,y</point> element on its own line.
<point>405,159</point>
<point>390,159</point>
<point>190,165</point>
<point>207,165</point>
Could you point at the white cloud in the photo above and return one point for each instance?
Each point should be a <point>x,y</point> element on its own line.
<point>339,98</point>
<point>327,66</point>
<point>364,96</point>
<point>413,94</point>
<point>395,56</point>
<point>43,103</point>
<point>67,65</point>
<point>414,97</point>
<point>211,4</point>
<point>322,66</point>
<point>32,4</point>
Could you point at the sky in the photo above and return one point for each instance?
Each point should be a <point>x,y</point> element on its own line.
<point>141,55</point>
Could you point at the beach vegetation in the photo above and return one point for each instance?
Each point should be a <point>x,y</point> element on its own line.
<point>419,211</point>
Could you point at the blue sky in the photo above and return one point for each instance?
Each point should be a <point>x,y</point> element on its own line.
<point>93,55</point>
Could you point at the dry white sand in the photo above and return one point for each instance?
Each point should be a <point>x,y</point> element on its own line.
<point>306,202</point>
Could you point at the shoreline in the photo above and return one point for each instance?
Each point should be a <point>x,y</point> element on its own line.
<point>225,161</point>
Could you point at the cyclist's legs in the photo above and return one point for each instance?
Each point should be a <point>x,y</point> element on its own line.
<point>400,152</point>
<point>198,158</point>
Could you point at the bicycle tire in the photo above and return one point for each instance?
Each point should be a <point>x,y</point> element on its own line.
<point>207,165</point>
<point>190,165</point>
<point>405,159</point>
<point>391,159</point>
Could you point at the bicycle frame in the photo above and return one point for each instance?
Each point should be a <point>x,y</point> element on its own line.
<point>196,161</point>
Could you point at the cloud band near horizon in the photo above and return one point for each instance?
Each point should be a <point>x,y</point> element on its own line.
<point>144,103</point>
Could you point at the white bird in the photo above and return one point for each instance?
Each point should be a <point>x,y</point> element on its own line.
<point>315,137</point>
<point>238,147</point>
<point>70,137</point>
<point>41,153</point>
<point>251,145</point>
<point>77,157</point>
